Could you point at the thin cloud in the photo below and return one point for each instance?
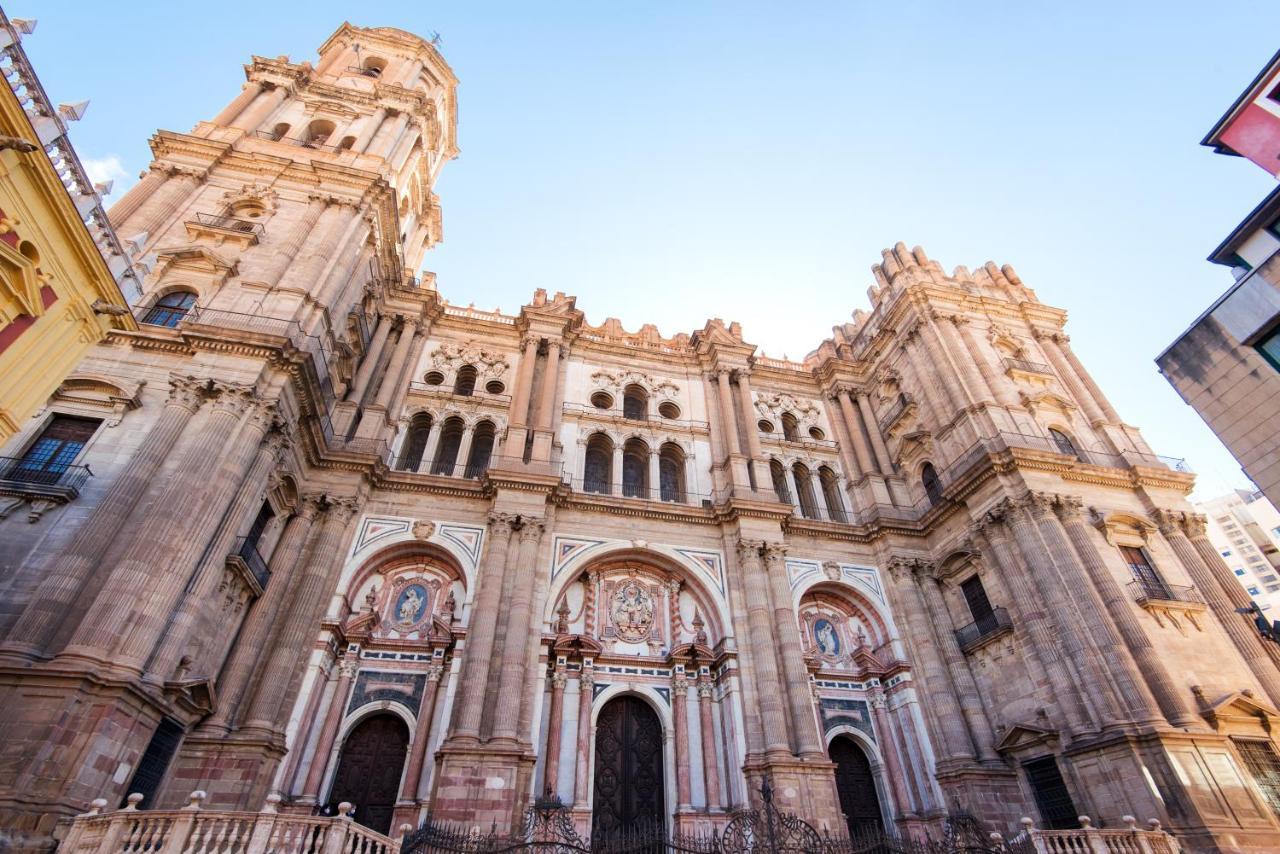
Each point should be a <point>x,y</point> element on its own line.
<point>107,168</point>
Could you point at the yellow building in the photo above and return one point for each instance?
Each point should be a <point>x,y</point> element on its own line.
<point>61,265</point>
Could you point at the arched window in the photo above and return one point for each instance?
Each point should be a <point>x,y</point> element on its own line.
<point>932,483</point>
<point>1064,443</point>
<point>597,468</point>
<point>635,403</point>
<point>318,133</point>
<point>804,486</point>
<point>280,131</point>
<point>779,477</point>
<point>447,452</point>
<point>831,494</point>
<point>635,469</point>
<point>415,443</point>
<point>481,449</point>
<point>170,309</point>
<point>347,142</point>
<point>373,66</point>
<point>790,427</point>
<point>671,472</point>
<point>465,383</point>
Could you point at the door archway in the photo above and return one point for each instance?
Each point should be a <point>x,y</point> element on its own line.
<point>628,766</point>
<point>369,770</point>
<point>855,786</point>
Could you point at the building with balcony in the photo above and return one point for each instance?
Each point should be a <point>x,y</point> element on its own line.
<point>1245,529</point>
<point>1226,365</point>
<point>348,541</point>
<point>64,275</point>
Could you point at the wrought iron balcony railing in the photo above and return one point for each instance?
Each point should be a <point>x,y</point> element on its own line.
<point>1028,366</point>
<point>228,223</point>
<point>1157,591</point>
<point>17,473</point>
<point>988,626</point>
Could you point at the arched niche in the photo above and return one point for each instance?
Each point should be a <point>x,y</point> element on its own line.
<point>411,591</point>
<point>843,629</point>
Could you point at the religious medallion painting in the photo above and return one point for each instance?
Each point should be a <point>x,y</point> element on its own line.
<point>632,610</point>
<point>824,635</point>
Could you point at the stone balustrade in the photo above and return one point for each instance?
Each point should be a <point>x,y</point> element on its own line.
<point>1092,840</point>
<point>192,830</point>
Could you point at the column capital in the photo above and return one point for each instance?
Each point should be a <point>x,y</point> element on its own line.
<point>233,399</point>
<point>530,338</point>
<point>310,505</point>
<point>1195,524</point>
<point>706,690</point>
<point>1035,504</point>
<point>750,550</point>
<point>559,679</point>
<point>586,679</point>
<point>348,665</point>
<point>1168,522</point>
<point>679,684</point>
<point>1069,508</point>
<point>342,508</point>
<point>877,701</point>
<point>774,553</point>
<point>189,392</point>
<point>435,672</point>
<point>500,523</point>
<point>531,528</point>
<point>904,568</point>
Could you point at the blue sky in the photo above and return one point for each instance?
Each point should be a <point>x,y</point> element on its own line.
<point>669,162</point>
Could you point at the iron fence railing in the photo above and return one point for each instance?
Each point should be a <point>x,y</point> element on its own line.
<point>19,471</point>
<point>899,406</point>
<point>1028,366</point>
<point>1147,590</point>
<point>228,223</point>
<point>984,627</point>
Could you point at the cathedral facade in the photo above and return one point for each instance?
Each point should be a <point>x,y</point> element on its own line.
<point>348,541</point>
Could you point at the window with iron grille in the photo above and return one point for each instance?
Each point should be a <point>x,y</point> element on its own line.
<point>1053,799</point>
<point>975,596</point>
<point>1150,581</point>
<point>155,762</point>
<point>1264,766</point>
<point>57,447</point>
<point>170,309</point>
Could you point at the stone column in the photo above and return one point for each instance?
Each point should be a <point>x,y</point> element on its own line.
<point>125,615</point>
<point>482,627</point>
<point>844,438</point>
<point>67,578</point>
<point>854,424</point>
<point>710,767</point>
<point>888,749</point>
<point>387,133</point>
<point>726,412</point>
<point>1048,342</point>
<point>316,248</point>
<point>1194,525</point>
<point>282,256</point>
<point>329,730</point>
<point>795,490</point>
<point>1168,699</point>
<point>616,472</point>
<point>1242,635</point>
<point>282,670</point>
<point>961,676</point>
<point>163,203</point>
<point>873,429</point>
<point>918,356</point>
<point>422,735</point>
<point>464,450</point>
<point>371,125</point>
<point>749,427</point>
<point>390,381</point>
<point>1095,392</point>
<point>954,738</point>
<point>655,475</point>
<point>764,665</point>
<point>586,690</point>
<point>680,719</point>
<point>519,619</point>
<point>429,451</point>
<point>137,196</point>
<point>971,368</point>
<point>524,382</point>
<point>795,671</point>
<point>945,349</point>
<point>550,385</point>
<point>997,383</point>
<point>261,109</point>
<point>202,587</point>
<point>252,644</point>
<point>248,93</point>
<point>1029,615</point>
<point>555,720</point>
<point>370,360</point>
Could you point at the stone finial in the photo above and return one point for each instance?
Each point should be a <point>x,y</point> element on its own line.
<point>1027,823</point>
<point>562,615</point>
<point>96,806</point>
<point>1154,825</point>
<point>1129,822</point>
<point>1085,822</point>
<point>134,799</point>
<point>345,809</point>
<point>272,803</point>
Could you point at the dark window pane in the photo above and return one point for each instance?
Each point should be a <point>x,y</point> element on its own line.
<point>1057,810</point>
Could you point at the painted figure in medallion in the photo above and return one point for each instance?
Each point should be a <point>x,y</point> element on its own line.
<point>632,611</point>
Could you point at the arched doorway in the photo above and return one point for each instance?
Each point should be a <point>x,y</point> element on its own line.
<point>370,768</point>
<point>628,772</point>
<point>856,786</point>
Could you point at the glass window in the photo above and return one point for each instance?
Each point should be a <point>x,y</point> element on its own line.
<point>1253,591</point>
<point>1264,766</point>
<point>1269,347</point>
<point>1153,586</point>
<point>170,309</point>
<point>932,483</point>
<point>1239,572</point>
<point>1227,553</point>
<point>49,456</point>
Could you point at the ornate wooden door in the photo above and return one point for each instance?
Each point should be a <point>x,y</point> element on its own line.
<point>370,768</point>
<point>628,770</point>
<point>856,786</point>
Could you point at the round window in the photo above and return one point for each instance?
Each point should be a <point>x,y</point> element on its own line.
<point>667,409</point>
<point>602,400</point>
<point>764,426</point>
<point>433,378</point>
<point>494,387</point>
<point>815,433</point>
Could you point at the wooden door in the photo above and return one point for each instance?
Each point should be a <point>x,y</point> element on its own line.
<point>856,787</point>
<point>628,767</point>
<point>369,770</point>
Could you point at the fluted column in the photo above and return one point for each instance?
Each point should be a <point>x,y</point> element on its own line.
<point>795,671</point>
<point>1048,342</point>
<point>550,385</point>
<point>260,110</point>
<point>369,362</point>
<point>515,655</point>
<point>726,412</point>
<point>555,720</point>
<point>422,735</point>
<point>524,383</point>
<point>124,614</point>
<point>888,749</point>
<point>961,676</point>
<point>946,348</point>
<point>764,665</point>
<point>873,430</point>
<point>586,692</point>
<point>316,248</point>
<point>390,380</point>
<point>680,720</point>
<point>481,630</point>
<point>200,590</point>
<point>371,125</point>
<point>954,739</point>
<point>329,730</point>
<point>844,438</point>
<point>282,256</point>
<point>1242,635</point>
<point>853,422</point>
<point>706,727</point>
<point>749,419</point>
<point>1064,346</point>
<point>248,93</point>
<point>282,672</point>
<point>67,578</point>
<point>138,195</point>
<point>387,133</point>
<point>1168,699</point>
<point>997,384</point>
<point>251,644</point>
<point>164,202</point>
<point>1030,614</point>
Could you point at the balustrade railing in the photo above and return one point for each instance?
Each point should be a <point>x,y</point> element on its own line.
<point>1158,591</point>
<point>228,223</point>
<point>1028,366</point>
<point>989,625</point>
<point>23,471</point>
